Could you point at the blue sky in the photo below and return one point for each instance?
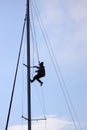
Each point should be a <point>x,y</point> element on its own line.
<point>66,25</point>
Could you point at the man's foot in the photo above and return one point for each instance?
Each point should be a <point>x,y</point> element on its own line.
<point>41,84</point>
<point>31,80</point>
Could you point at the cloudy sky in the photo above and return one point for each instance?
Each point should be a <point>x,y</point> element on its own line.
<point>65,22</point>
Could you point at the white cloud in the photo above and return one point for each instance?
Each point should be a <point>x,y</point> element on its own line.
<point>52,123</point>
<point>77,9</point>
<point>51,13</point>
<point>55,12</point>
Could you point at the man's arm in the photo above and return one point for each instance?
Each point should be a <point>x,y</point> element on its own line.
<point>36,67</point>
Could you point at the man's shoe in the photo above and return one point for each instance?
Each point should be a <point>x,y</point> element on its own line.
<point>41,84</point>
<point>31,81</point>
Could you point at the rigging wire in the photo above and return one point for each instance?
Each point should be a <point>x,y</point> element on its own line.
<point>43,102</point>
<point>44,107</point>
<point>56,65</point>
<point>33,47</point>
<point>24,87</point>
<point>15,77</point>
<point>34,38</point>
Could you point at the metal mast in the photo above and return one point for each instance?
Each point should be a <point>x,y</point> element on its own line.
<point>28,64</point>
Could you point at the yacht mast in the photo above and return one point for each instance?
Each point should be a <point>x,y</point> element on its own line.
<point>28,64</point>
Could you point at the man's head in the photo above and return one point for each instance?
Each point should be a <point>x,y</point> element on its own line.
<point>41,64</point>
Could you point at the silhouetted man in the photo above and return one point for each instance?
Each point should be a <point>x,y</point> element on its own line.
<point>40,73</point>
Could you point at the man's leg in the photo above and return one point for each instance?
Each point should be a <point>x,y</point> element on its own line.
<point>34,78</point>
<point>39,81</point>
